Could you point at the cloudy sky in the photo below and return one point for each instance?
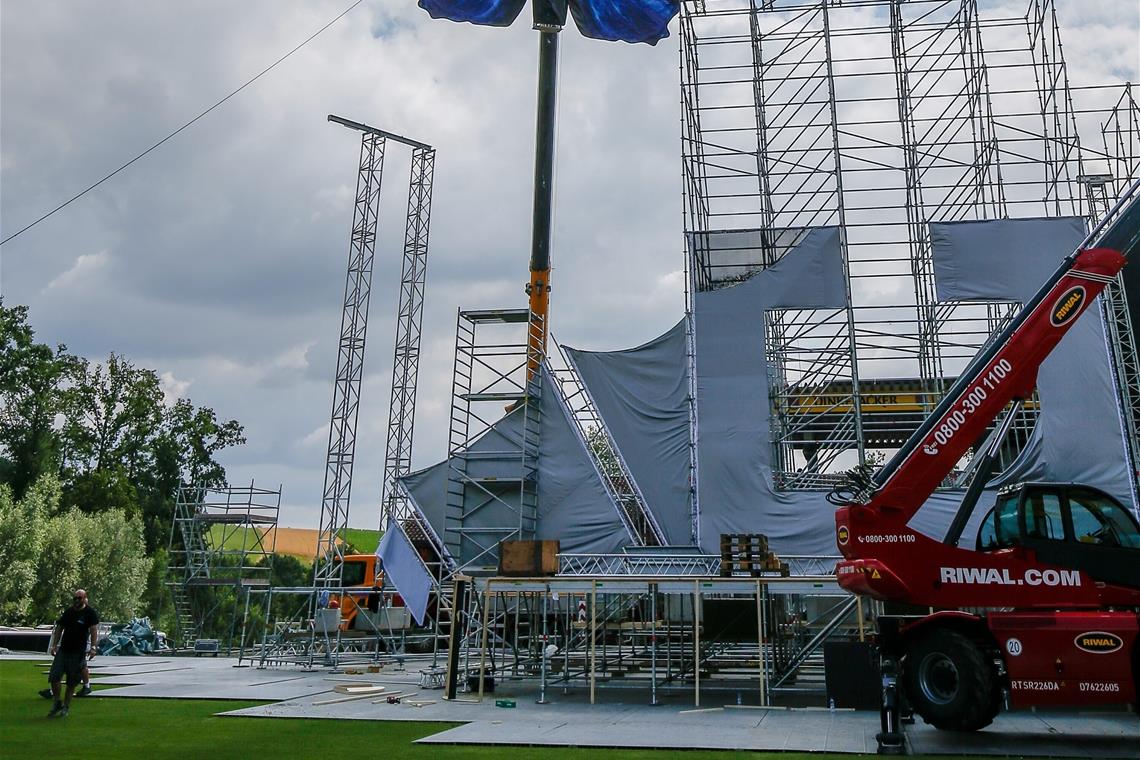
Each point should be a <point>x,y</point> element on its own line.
<point>218,260</point>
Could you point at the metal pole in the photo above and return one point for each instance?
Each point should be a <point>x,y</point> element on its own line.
<point>653,645</point>
<point>696,644</point>
<point>483,639</point>
<point>542,652</point>
<point>760,643</point>
<point>765,692</point>
<point>538,289</point>
<point>593,637</point>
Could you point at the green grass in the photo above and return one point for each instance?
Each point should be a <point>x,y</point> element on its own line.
<point>362,540</point>
<point>159,728</point>
<point>232,537</point>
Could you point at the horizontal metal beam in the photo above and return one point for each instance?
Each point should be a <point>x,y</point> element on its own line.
<point>379,132</point>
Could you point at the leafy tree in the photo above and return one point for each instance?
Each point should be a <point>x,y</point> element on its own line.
<point>34,379</point>
<point>57,569</point>
<point>21,539</point>
<point>114,564</point>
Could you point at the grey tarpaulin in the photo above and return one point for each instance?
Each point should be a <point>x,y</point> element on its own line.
<point>1078,435</point>
<point>642,395</point>
<point>574,506</point>
<point>403,566</point>
<point>734,450</point>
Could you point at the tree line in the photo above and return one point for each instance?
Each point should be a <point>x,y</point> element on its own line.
<point>91,458</point>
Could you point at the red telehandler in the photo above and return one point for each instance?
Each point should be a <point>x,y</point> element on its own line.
<point>1043,608</point>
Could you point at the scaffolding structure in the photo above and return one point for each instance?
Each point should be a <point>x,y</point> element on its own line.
<point>881,117</point>
<point>221,547</point>
<point>299,629</point>
<point>409,318</point>
<point>492,490</point>
<point>350,364</point>
<point>353,333</point>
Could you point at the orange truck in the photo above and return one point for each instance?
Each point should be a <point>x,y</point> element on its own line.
<point>368,609</point>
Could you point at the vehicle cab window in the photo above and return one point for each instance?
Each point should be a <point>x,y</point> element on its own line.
<point>1043,516</point>
<point>353,573</point>
<point>1099,520</point>
<point>999,527</point>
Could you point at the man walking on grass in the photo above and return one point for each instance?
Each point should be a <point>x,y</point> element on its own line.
<point>72,643</point>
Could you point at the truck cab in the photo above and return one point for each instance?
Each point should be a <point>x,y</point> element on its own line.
<point>1069,525</point>
<point>359,571</point>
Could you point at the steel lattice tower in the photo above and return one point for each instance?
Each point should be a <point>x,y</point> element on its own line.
<point>406,362</point>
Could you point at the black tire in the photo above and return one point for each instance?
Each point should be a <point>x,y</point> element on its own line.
<point>950,682</point>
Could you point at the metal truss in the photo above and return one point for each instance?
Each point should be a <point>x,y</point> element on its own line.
<point>812,395</point>
<point>221,543</point>
<point>678,563</point>
<point>615,475</point>
<point>353,333</point>
<point>350,364</point>
<point>409,318</point>
<point>492,492</point>
<point>595,631</point>
<point>880,117</point>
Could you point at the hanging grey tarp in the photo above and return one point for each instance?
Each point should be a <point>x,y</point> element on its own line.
<point>574,506</point>
<point>1078,435</point>
<point>734,447</point>
<point>403,566</point>
<point>642,395</point>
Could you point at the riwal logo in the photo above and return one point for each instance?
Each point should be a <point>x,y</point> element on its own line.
<point>1098,642</point>
<point>992,576</point>
<point>1068,306</point>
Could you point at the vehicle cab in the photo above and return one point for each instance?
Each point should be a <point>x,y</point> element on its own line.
<point>1069,525</point>
<point>359,571</point>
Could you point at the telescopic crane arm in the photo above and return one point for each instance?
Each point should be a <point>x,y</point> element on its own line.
<point>1007,369</point>
<point>883,556</point>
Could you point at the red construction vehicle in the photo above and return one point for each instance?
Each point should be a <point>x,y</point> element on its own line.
<point>1042,608</point>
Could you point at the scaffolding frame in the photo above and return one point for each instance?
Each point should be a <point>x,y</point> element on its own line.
<point>652,632</point>
<point>880,117</point>
<point>350,365</point>
<point>353,333</point>
<point>492,372</point>
<point>409,319</point>
<point>221,537</point>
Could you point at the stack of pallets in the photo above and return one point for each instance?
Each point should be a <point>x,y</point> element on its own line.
<point>747,554</point>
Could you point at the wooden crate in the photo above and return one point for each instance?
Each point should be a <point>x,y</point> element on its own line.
<point>528,559</point>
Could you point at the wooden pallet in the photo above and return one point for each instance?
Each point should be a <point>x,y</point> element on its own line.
<point>748,554</point>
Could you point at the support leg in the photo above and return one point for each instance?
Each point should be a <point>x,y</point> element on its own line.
<point>890,738</point>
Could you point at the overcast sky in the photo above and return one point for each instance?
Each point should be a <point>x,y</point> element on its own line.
<point>219,259</point>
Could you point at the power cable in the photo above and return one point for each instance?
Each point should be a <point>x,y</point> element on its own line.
<point>158,144</point>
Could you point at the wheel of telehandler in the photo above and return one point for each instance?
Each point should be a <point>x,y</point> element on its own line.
<point>950,683</point>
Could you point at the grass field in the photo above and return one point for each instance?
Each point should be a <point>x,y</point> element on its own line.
<point>160,728</point>
<point>362,540</point>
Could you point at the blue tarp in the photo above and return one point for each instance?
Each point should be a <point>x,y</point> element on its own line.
<point>610,20</point>
<point>403,566</point>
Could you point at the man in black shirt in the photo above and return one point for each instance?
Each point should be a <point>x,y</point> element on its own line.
<point>72,642</point>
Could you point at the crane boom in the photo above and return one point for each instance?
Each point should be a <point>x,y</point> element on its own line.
<point>1007,368</point>
<point>883,556</point>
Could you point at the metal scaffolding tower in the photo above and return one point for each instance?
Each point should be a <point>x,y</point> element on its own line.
<point>221,546</point>
<point>492,489</point>
<point>880,117</point>
<point>406,361</point>
<point>354,328</point>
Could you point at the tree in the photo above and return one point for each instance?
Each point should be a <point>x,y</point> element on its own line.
<point>114,564</point>
<point>34,379</point>
<point>21,540</point>
<point>57,569</point>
